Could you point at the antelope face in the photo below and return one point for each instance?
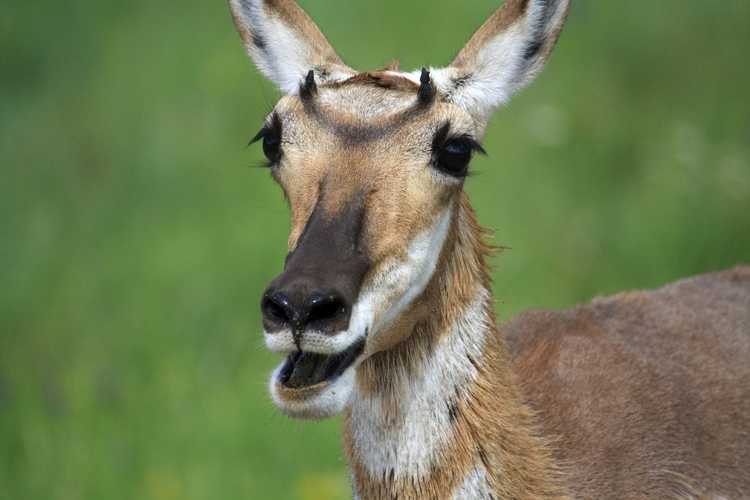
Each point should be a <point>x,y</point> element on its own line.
<point>372,165</point>
<point>371,174</point>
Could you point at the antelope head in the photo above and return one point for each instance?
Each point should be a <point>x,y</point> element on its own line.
<point>373,166</point>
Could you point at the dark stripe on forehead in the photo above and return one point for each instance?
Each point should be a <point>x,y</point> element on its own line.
<point>360,133</point>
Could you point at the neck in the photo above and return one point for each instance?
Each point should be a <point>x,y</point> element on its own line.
<point>439,415</point>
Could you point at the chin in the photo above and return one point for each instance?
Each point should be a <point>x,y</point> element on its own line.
<point>312,386</point>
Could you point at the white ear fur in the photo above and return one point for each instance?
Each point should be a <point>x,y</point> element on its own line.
<point>285,43</point>
<point>503,56</point>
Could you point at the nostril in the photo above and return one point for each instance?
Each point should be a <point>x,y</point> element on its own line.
<point>320,311</point>
<point>325,308</point>
<point>275,308</point>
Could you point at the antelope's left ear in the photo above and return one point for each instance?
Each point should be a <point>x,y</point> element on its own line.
<point>285,43</point>
<point>503,56</point>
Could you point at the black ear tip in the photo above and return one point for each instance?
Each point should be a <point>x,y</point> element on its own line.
<point>425,77</point>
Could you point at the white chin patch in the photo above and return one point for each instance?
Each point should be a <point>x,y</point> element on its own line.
<point>313,403</point>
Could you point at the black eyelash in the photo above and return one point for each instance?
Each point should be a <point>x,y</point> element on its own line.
<point>272,127</point>
<point>260,135</point>
<point>271,135</point>
<point>475,146</point>
<point>442,136</point>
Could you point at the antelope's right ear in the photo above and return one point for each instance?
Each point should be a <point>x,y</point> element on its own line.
<point>285,43</point>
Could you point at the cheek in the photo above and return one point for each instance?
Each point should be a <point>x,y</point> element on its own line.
<point>401,211</point>
<point>400,277</point>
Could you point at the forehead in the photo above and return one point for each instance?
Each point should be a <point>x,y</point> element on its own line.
<point>369,108</point>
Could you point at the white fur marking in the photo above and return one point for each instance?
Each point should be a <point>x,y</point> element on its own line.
<point>475,486</point>
<point>405,279</point>
<point>317,342</point>
<point>411,444</point>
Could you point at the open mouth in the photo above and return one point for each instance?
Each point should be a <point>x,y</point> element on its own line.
<point>306,369</point>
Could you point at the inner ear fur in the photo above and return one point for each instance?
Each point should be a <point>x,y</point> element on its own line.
<point>504,55</point>
<point>285,43</point>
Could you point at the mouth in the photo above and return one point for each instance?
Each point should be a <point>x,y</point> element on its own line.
<point>303,370</point>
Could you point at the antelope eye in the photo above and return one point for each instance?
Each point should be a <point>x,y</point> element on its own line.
<point>271,136</point>
<point>455,156</point>
<point>451,154</point>
<point>272,147</point>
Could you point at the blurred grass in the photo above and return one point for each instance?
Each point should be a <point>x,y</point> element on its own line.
<point>135,240</point>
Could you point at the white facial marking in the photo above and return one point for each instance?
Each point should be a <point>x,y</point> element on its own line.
<point>475,486</point>
<point>318,342</point>
<point>405,279</point>
<point>411,444</point>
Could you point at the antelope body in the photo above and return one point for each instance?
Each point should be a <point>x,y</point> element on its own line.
<point>385,313</point>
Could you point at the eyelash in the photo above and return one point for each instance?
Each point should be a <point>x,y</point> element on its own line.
<point>271,136</point>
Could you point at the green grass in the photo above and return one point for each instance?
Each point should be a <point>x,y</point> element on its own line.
<point>135,239</point>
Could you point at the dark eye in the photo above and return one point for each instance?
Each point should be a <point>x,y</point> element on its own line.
<point>272,147</point>
<point>271,135</point>
<point>451,155</point>
<point>455,156</point>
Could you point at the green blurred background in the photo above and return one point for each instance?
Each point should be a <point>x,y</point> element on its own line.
<point>136,237</point>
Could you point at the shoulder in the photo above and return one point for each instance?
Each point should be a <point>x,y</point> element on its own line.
<point>627,376</point>
<point>710,304</point>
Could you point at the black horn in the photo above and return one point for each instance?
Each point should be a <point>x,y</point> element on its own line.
<point>308,88</point>
<point>426,91</point>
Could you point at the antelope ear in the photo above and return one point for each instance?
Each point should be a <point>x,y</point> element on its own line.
<point>285,43</point>
<point>503,56</point>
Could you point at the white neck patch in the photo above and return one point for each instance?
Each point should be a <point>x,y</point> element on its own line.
<point>476,486</point>
<point>410,445</point>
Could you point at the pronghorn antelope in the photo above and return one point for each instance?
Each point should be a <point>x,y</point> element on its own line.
<point>385,314</point>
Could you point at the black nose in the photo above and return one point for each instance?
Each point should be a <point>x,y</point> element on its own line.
<point>326,312</point>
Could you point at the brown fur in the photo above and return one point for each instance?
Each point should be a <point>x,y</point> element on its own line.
<point>647,392</point>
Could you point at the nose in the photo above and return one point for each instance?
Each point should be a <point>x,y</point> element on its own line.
<point>324,311</point>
